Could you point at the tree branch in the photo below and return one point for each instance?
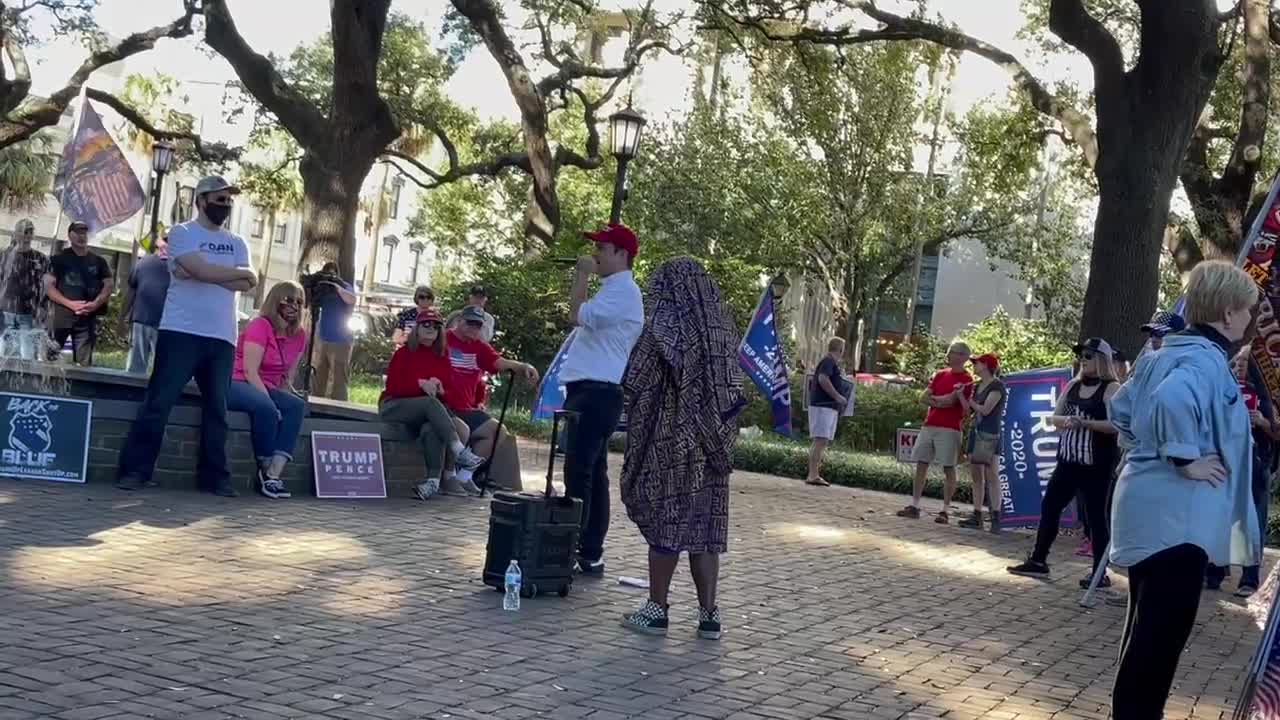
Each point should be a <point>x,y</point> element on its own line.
<point>897,27</point>
<point>15,90</point>
<point>415,162</point>
<point>212,152</point>
<point>259,75</point>
<point>28,117</point>
<point>1071,21</point>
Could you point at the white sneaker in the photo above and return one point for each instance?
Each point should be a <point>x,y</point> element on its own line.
<point>424,490</point>
<point>467,483</point>
<point>469,460</point>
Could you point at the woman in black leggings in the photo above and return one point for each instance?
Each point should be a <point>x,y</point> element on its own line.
<point>1086,456</point>
<point>1184,497</point>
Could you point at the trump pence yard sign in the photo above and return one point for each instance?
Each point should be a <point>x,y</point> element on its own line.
<point>348,465</point>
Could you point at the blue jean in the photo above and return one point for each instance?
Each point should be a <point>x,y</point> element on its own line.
<point>275,418</point>
<point>179,358</point>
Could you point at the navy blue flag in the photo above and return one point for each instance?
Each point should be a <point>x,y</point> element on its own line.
<point>1029,448</point>
<point>551,392</point>
<point>94,182</point>
<point>761,357</point>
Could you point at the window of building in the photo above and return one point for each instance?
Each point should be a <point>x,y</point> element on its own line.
<point>282,232</point>
<point>259,224</point>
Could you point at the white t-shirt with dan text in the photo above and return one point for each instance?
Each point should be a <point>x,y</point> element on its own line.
<point>201,308</point>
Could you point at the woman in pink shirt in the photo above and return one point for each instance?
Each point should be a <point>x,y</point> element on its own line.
<point>267,355</point>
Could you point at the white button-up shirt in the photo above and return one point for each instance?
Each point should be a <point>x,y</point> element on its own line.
<point>609,325</point>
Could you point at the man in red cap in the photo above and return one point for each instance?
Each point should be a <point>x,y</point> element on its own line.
<point>608,326</point>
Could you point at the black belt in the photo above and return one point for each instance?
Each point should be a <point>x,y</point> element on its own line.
<point>595,384</point>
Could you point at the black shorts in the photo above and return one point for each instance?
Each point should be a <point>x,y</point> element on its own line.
<point>474,419</point>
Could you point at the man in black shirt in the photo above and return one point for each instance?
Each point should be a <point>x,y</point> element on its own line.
<point>78,285</point>
<point>828,397</point>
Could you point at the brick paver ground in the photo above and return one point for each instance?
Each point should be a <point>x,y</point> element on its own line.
<point>180,605</point>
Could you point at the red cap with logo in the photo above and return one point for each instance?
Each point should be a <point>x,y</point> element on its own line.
<point>619,236</point>
<point>429,317</point>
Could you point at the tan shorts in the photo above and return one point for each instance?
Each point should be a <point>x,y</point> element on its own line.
<point>823,422</point>
<point>937,446</point>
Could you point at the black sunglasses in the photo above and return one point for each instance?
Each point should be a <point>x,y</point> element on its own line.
<point>1086,355</point>
<point>475,323</point>
<point>424,297</point>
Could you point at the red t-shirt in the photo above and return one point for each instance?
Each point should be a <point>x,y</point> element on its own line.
<point>944,382</point>
<point>470,360</point>
<point>408,366</point>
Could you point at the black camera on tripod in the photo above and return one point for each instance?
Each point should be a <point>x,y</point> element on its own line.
<point>319,286</point>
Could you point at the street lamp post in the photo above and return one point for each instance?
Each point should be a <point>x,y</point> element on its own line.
<point>625,129</point>
<point>161,161</point>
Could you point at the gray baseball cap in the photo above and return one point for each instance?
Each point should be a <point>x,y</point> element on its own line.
<point>473,314</point>
<point>215,183</point>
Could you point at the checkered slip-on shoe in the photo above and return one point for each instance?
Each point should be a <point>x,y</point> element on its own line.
<point>709,623</point>
<point>650,619</point>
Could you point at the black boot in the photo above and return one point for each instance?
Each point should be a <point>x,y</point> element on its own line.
<point>973,523</point>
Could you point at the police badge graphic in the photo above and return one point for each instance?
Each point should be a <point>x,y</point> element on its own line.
<point>30,429</point>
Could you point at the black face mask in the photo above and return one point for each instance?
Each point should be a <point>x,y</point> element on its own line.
<point>216,213</point>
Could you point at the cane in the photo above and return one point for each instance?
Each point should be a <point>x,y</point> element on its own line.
<point>1087,601</point>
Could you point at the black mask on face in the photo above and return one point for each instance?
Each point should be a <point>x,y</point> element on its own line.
<point>216,213</point>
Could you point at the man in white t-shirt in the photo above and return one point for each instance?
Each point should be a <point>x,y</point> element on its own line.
<point>609,325</point>
<point>197,339</point>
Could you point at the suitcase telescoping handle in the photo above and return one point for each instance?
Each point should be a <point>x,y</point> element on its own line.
<point>565,416</point>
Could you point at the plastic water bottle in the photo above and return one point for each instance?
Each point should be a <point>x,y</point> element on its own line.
<point>511,601</point>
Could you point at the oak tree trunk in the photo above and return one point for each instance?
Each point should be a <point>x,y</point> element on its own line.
<point>331,201</point>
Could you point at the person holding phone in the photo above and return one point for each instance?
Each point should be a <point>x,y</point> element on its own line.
<point>1086,455</point>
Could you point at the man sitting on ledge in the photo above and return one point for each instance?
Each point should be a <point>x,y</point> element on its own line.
<point>471,356</point>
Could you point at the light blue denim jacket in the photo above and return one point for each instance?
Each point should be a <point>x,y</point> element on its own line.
<point>1182,401</point>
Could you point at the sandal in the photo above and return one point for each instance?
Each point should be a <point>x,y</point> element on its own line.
<point>942,518</point>
<point>818,481</point>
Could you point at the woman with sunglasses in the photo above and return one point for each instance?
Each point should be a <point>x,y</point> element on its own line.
<point>1086,455</point>
<point>267,355</point>
<point>424,299</point>
<point>419,379</point>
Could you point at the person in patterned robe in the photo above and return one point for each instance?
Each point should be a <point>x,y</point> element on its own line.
<point>684,392</point>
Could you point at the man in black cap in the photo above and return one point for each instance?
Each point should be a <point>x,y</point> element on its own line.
<point>78,283</point>
<point>1161,324</point>
<point>197,339</point>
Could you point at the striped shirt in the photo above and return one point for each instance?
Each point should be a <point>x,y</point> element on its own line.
<point>1082,446</point>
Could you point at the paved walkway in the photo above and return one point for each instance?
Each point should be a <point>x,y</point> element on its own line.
<point>180,605</point>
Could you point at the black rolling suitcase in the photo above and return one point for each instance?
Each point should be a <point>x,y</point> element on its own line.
<point>537,530</point>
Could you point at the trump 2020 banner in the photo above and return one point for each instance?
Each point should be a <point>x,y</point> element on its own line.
<point>45,438</point>
<point>760,355</point>
<point>1030,445</point>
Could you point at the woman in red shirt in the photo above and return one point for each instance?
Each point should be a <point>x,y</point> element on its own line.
<point>418,379</point>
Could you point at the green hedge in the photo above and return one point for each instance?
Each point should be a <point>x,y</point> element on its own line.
<point>790,460</point>
<point>877,414</point>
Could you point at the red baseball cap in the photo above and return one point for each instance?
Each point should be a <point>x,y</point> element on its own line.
<point>990,360</point>
<point>619,236</point>
<point>429,317</point>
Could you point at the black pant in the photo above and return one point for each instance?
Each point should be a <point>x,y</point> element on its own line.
<point>1093,482</point>
<point>1164,595</point>
<point>84,336</point>
<point>179,358</point>
<point>586,462</point>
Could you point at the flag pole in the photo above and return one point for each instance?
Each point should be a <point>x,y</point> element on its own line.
<point>71,140</point>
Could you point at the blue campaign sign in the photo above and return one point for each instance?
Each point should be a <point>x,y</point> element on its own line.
<point>1030,445</point>
<point>44,438</point>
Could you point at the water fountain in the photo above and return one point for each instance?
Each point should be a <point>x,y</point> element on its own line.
<point>28,361</point>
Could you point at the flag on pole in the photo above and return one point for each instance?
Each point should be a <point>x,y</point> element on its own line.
<point>94,183</point>
<point>551,392</point>
<point>761,357</point>
<point>1260,695</point>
